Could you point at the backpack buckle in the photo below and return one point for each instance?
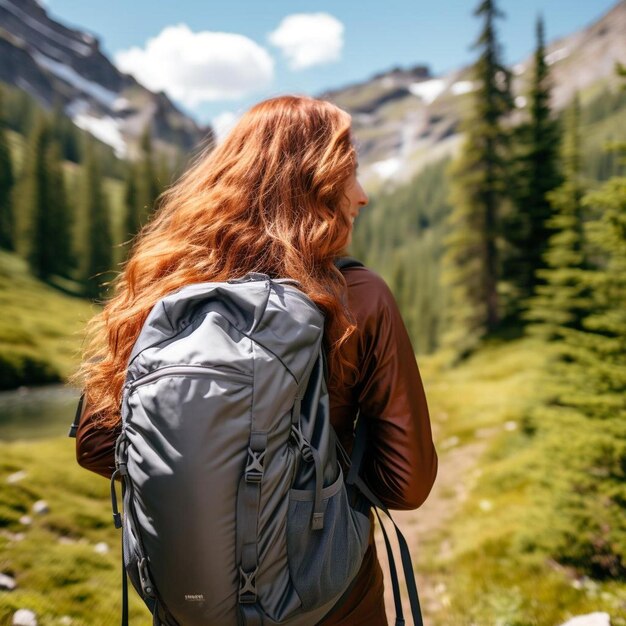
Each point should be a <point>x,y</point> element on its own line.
<point>146,584</point>
<point>247,586</point>
<point>301,443</point>
<point>254,467</point>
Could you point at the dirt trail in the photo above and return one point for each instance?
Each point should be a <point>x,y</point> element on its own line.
<point>448,493</point>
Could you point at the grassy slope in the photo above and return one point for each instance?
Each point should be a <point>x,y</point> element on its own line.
<point>476,562</point>
<point>472,560</point>
<point>38,322</point>
<point>37,319</point>
<point>57,569</point>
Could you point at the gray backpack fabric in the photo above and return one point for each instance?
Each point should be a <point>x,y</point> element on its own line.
<point>236,508</point>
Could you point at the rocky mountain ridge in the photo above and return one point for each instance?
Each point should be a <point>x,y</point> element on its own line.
<point>58,64</point>
<point>405,119</point>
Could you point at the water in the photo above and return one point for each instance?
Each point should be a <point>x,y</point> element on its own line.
<point>37,412</point>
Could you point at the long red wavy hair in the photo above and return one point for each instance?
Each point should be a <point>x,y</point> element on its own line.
<point>268,199</point>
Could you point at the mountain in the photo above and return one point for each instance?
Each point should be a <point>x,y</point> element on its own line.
<point>55,63</point>
<point>406,119</point>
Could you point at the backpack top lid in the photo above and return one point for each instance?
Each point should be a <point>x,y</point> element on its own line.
<point>285,324</point>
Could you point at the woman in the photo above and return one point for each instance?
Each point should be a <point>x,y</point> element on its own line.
<point>279,196</point>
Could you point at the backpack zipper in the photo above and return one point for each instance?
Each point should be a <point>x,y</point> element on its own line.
<point>182,370</point>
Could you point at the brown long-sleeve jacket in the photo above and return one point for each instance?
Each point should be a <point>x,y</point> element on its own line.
<point>400,462</point>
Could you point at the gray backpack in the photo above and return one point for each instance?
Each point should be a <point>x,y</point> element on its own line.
<point>236,507</point>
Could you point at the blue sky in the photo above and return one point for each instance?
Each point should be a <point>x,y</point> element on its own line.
<point>350,41</point>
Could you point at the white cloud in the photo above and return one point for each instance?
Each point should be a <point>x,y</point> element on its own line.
<point>223,124</point>
<point>308,39</point>
<point>199,67</point>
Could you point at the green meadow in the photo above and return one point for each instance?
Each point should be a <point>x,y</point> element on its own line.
<point>474,564</point>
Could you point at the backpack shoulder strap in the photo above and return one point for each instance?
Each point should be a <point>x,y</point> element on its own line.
<point>79,413</point>
<point>343,262</point>
<point>358,451</point>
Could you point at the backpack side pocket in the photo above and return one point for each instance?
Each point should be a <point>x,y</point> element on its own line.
<point>322,563</point>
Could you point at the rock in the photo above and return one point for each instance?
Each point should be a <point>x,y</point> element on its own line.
<point>591,619</point>
<point>26,520</point>
<point>68,541</point>
<point>101,548</point>
<point>440,588</point>
<point>41,507</point>
<point>483,433</point>
<point>450,442</point>
<point>24,617</point>
<point>15,477</point>
<point>7,583</point>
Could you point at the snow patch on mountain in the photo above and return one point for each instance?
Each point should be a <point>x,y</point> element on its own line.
<point>556,55</point>
<point>428,90</point>
<point>121,104</point>
<point>105,129</point>
<point>388,167</point>
<point>70,75</point>
<point>461,87</point>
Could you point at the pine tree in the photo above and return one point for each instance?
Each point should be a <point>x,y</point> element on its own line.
<point>471,264</point>
<point>35,224</point>
<point>7,181</point>
<point>23,112</point>
<point>562,300</point>
<point>66,133</point>
<point>148,186</point>
<point>535,174</point>
<point>98,230</point>
<point>596,353</point>
<point>44,233</point>
<point>132,223</point>
<point>591,405</point>
<point>59,238</point>
<point>596,350</point>
<point>165,173</point>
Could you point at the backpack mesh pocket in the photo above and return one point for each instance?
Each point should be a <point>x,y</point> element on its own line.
<point>322,563</point>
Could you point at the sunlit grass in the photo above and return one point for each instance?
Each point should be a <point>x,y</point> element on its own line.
<point>40,327</point>
<point>479,559</point>
<point>58,569</point>
<point>484,576</point>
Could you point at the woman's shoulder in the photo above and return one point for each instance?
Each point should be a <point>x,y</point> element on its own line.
<point>366,279</point>
<point>368,293</point>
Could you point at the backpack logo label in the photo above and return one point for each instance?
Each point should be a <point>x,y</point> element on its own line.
<point>194,597</point>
